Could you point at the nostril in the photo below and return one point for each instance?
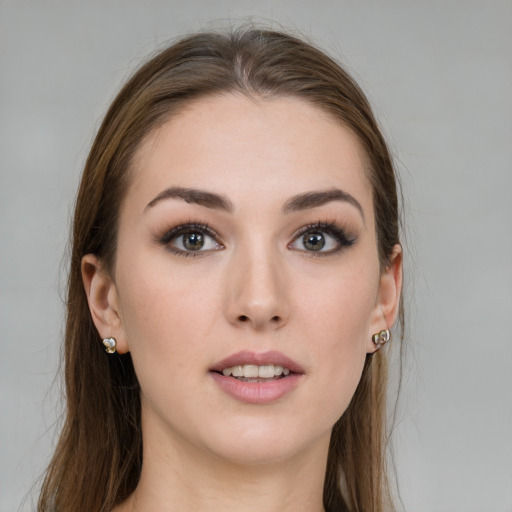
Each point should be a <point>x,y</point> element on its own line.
<point>258,322</point>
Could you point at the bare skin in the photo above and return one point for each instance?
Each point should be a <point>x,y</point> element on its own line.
<point>248,225</point>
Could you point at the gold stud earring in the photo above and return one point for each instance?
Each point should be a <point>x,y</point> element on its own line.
<point>381,338</point>
<point>110,345</point>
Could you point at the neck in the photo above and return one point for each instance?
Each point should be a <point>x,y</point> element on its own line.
<point>177,477</point>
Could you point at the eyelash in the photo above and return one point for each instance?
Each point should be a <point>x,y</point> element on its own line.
<point>330,228</point>
<point>183,229</point>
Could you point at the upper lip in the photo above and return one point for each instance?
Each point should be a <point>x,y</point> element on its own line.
<point>260,359</point>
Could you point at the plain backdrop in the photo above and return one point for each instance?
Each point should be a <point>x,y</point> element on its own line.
<point>439,74</point>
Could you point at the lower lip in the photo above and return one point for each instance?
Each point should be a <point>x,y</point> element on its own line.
<point>257,392</point>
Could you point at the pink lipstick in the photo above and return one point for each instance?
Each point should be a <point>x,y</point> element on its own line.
<point>257,378</point>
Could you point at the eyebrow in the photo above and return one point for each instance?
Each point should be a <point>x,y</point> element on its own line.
<point>194,196</point>
<point>296,203</point>
<point>314,199</point>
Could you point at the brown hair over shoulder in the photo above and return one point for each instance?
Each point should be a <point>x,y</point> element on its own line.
<point>98,459</point>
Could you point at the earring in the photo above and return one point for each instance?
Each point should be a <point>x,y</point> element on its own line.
<point>110,345</point>
<point>381,338</point>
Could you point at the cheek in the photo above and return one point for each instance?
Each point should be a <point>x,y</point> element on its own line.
<point>336,320</point>
<point>166,317</point>
<point>167,322</point>
<point>339,304</point>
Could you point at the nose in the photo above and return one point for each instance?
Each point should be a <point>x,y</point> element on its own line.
<point>256,291</point>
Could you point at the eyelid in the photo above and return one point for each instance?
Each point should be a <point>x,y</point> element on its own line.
<point>187,227</point>
<point>343,236</point>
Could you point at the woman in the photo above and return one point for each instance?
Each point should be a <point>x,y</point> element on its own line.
<point>235,269</point>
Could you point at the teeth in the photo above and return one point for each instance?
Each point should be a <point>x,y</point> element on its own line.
<point>237,371</point>
<point>266,371</point>
<point>250,370</point>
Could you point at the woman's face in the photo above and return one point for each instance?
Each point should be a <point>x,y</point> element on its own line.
<point>247,240</point>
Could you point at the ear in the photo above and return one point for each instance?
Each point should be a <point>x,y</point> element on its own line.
<point>387,305</point>
<point>102,296</point>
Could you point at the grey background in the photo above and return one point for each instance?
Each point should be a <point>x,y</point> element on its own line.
<point>439,74</point>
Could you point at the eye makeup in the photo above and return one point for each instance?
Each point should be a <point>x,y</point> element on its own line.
<point>340,238</point>
<point>318,239</point>
<point>201,234</point>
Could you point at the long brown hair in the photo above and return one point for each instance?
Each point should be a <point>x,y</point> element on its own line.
<point>98,459</point>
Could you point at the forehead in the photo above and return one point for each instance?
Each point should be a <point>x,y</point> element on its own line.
<point>233,144</point>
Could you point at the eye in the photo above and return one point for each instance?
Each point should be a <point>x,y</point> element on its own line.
<point>188,239</point>
<point>194,241</point>
<point>321,238</point>
<point>316,241</point>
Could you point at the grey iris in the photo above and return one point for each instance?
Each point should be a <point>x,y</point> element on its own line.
<point>193,241</point>
<point>313,241</point>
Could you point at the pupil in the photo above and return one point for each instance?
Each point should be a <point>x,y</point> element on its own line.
<point>193,241</point>
<point>313,241</point>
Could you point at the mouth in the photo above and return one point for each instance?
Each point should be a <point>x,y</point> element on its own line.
<point>257,378</point>
<point>256,373</point>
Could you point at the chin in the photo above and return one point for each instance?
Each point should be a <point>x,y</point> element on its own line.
<point>256,442</point>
